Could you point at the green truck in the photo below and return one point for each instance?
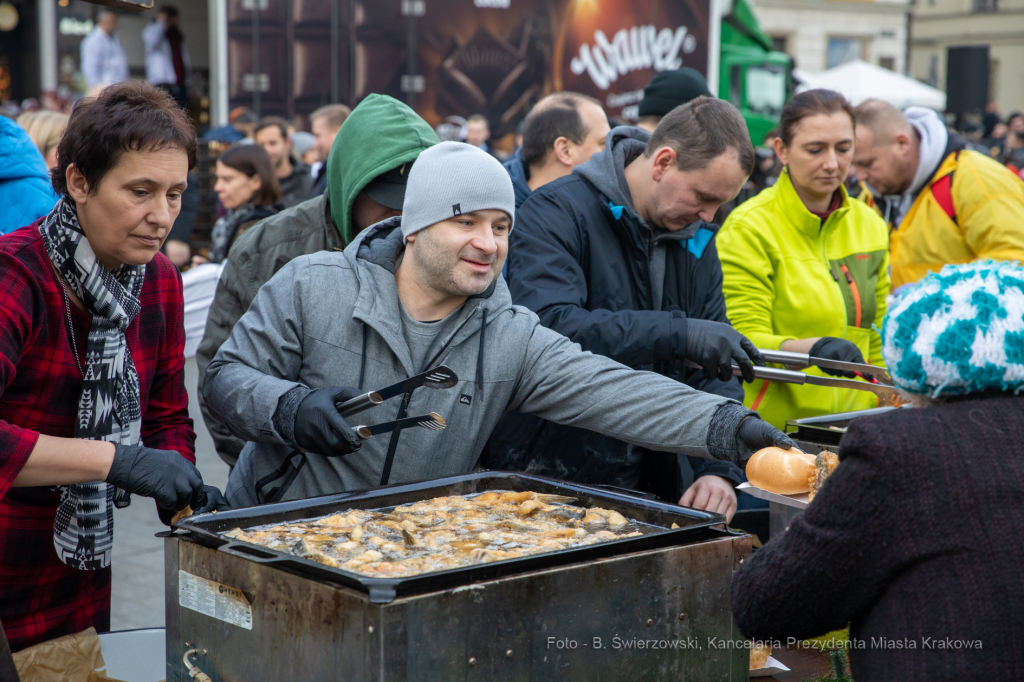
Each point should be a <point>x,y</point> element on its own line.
<point>752,75</point>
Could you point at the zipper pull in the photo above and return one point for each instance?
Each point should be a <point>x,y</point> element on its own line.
<point>834,276</point>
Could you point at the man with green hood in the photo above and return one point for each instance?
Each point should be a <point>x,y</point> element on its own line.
<point>366,178</point>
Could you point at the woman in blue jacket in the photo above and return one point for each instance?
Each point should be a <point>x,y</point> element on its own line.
<point>25,190</point>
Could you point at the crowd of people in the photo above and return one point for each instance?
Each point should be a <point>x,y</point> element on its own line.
<point>604,326</point>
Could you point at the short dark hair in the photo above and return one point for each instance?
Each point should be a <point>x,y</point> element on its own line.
<point>128,117</point>
<point>546,123</point>
<point>478,118</point>
<point>702,130</point>
<point>252,160</point>
<point>170,10</point>
<point>270,121</point>
<point>244,118</point>
<point>541,129</point>
<point>812,103</point>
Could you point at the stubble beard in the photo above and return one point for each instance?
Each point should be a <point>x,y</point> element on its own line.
<point>439,269</point>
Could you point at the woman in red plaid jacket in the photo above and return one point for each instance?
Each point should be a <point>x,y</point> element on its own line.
<point>92,397</point>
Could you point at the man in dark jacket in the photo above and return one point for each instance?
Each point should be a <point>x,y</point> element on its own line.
<point>295,177</point>
<point>366,168</point>
<point>561,132</point>
<point>617,257</point>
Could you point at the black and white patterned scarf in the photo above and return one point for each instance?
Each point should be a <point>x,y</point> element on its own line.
<point>108,408</point>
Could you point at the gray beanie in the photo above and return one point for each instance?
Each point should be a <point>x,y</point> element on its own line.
<point>453,178</point>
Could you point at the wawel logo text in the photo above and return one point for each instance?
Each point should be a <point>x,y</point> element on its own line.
<point>640,47</point>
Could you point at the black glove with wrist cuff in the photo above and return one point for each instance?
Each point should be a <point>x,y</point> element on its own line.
<point>735,433</point>
<point>755,434</point>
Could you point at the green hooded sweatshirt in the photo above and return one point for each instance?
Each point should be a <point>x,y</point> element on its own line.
<point>380,134</point>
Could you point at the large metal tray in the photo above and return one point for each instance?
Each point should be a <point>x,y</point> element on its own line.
<point>694,526</point>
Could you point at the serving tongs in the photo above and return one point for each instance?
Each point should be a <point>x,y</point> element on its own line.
<point>802,360</point>
<point>792,376</point>
<point>432,421</point>
<point>439,377</point>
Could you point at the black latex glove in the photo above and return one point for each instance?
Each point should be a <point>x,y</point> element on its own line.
<point>318,426</point>
<point>215,501</point>
<point>170,479</point>
<point>831,348</point>
<point>715,346</point>
<point>755,434</point>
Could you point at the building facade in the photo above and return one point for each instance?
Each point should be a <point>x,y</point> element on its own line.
<point>821,34</point>
<point>941,24</point>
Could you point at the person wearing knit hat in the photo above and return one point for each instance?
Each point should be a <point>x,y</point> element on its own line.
<point>959,331</point>
<point>409,294</point>
<point>365,176</point>
<point>903,541</point>
<point>668,90</point>
<point>451,179</point>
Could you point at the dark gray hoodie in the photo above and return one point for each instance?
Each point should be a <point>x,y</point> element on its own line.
<point>332,319</point>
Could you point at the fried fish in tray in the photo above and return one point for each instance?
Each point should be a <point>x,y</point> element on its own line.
<point>444,533</point>
<point>824,464</point>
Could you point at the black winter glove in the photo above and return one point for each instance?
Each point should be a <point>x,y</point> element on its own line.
<point>831,348</point>
<point>170,479</point>
<point>755,434</point>
<point>715,346</point>
<point>215,501</point>
<point>318,426</point>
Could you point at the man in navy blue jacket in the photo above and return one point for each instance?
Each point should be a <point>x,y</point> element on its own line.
<point>561,132</point>
<point>619,258</point>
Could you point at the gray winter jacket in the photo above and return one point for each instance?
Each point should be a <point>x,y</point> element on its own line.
<point>333,319</point>
<point>255,257</point>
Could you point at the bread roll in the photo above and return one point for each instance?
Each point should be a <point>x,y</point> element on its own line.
<point>759,654</point>
<point>785,472</point>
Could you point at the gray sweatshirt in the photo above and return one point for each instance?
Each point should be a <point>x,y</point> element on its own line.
<point>333,319</point>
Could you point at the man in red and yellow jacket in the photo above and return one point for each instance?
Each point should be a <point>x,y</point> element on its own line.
<point>953,206</point>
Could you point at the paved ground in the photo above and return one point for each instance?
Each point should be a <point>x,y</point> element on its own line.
<point>138,593</point>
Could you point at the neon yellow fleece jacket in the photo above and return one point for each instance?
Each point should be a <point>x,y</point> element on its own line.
<point>788,276</point>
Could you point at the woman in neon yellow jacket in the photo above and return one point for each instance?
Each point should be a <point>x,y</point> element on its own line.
<point>806,269</point>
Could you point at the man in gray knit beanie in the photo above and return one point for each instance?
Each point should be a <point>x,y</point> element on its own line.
<point>458,212</point>
<point>408,294</point>
<point>451,179</point>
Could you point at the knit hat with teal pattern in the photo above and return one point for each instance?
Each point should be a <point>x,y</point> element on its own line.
<point>959,331</point>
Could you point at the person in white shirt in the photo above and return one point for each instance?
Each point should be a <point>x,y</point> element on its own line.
<point>168,66</point>
<point>103,59</point>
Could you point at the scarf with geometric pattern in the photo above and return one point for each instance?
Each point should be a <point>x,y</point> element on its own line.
<point>108,407</point>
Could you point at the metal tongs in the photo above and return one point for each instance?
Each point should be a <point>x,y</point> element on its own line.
<point>792,376</point>
<point>432,421</point>
<point>438,377</point>
<point>801,360</point>
<point>883,388</point>
<point>879,382</point>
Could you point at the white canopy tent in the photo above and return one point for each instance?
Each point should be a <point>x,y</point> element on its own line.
<point>858,80</point>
